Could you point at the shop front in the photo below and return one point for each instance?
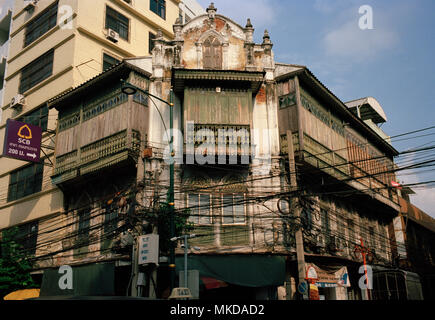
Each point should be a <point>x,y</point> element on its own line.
<point>327,282</point>
<point>236,277</point>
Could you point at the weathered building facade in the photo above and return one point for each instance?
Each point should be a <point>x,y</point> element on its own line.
<point>413,246</point>
<point>256,142</point>
<point>54,46</point>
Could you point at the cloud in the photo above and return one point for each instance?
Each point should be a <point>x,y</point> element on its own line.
<point>349,41</point>
<point>344,39</point>
<point>261,12</point>
<point>329,6</point>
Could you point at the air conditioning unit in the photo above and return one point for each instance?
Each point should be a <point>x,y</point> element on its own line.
<point>17,101</point>
<point>31,5</point>
<point>112,35</point>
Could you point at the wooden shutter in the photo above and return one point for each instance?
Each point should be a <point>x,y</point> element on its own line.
<point>212,54</point>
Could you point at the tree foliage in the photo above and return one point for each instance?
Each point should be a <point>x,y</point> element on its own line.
<point>15,266</point>
<point>161,218</point>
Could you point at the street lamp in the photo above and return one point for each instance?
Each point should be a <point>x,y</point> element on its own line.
<point>130,89</point>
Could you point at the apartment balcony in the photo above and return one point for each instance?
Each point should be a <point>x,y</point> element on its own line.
<point>111,151</point>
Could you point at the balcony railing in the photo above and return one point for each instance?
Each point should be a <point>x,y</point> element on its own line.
<point>228,140</point>
<point>97,155</point>
<point>336,165</point>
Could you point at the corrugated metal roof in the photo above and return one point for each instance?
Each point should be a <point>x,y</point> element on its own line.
<point>370,109</point>
<point>117,68</point>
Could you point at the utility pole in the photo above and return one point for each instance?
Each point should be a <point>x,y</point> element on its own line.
<point>186,252</point>
<point>134,269</point>
<point>171,189</point>
<point>131,89</point>
<point>300,254</point>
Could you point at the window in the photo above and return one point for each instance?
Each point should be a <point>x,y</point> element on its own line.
<point>212,54</point>
<point>141,98</point>
<point>151,38</point>
<point>109,61</point>
<point>180,16</point>
<point>233,208</point>
<point>325,224</point>
<point>36,71</point>
<point>363,232</point>
<point>351,228</point>
<point>307,221</point>
<point>233,211</point>
<point>27,236</point>
<point>110,218</point>
<point>340,226</point>
<point>372,243</point>
<point>25,181</point>
<point>40,25</point>
<point>84,216</point>
<point>158,7</point>
<point>39,117</point>
<point>382,238</point>
<point>117,22</point>
<point>200,208</point>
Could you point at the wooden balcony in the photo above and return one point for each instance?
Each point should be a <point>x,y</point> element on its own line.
<point>337,166</point>
<point>93,157</point>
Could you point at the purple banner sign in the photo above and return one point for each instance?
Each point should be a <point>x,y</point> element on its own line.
<point>22,141</point>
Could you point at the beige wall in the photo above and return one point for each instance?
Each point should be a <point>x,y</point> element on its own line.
<point>31,207</point>
<point>78,56</point>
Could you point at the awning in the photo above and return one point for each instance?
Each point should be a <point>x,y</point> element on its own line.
<point>22,294</point>
<point>182,77</point>
<point>241,270</point>
<point>96,279</point>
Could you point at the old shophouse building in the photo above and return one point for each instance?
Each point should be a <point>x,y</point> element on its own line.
<point>257,143</point>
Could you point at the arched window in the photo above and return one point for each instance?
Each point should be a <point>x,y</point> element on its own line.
<point>212,53</point>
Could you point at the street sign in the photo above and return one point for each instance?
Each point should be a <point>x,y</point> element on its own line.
<point>311,274</point>
<point>302,287</point>
<point>148,249</point>
<point>22,141</point>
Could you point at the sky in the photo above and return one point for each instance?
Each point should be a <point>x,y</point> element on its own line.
<point>390,60</point>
